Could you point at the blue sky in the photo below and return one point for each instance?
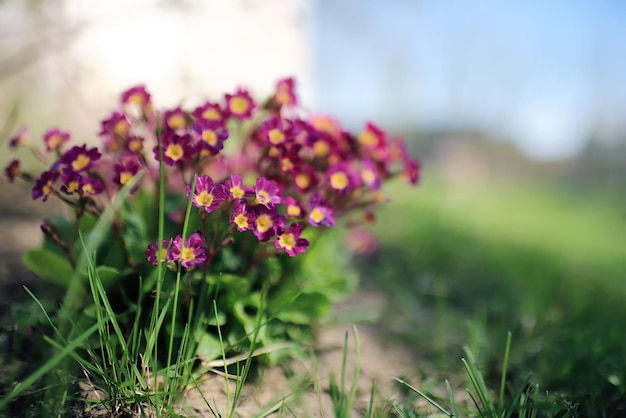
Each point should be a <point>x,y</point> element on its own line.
<point>545,74</point>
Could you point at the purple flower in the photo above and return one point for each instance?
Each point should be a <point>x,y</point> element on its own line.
<point>91,186</point>
<point>176,119</point>
<point>115,126</point>
<point>341,177</point>
<point>212,135</point>
<point>12,170</point>
<point>208,111</point>
<point>175,148</point>
<point>55,138</point>
<point>240,104</point>
<point>242,217</point>
<point>237,190</point>
<point>125,171</point>
<point>207,196</point>
<point>72,181</point>
<point>290,240</point>
<point>293,209</point>
<point>277,131</point>
<point>44,185</point>
<point>267,220</point>
<point>154,257</point>
<point>20,138</point>
<point>137,95</point>
<point>267,193</point>
<point>190,253</point>
<point>320,213</point>
<point>369,175</point>
<point>80,158</point>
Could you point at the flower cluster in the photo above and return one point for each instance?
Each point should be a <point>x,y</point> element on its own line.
<point>255,167</point>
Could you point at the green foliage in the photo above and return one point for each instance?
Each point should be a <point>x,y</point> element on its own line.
<point>540,262</point>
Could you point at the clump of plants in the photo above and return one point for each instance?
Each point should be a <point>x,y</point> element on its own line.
<point>212,227</point>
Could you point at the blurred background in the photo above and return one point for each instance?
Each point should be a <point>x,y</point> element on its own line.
<point>516,110</point>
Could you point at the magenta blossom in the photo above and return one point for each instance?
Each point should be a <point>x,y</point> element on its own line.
<point>290,240</point>
<point>54,138</point>
<point>236,189</point>
<point>176,149</point>
<point>209,112</point>
<point>189,254</point>
<point>137,95</point>
<point>125,171</point>
<point>239,105</point>
<point>341,177</point>
<point>293,209</point>
<point>12,170</point>
<point>267,220</point>
<point>91,186</point>
<point>79,158</point>
<point>320,213</point>
<point>44,185</point>
<point>207,195</point>
<point>154,257</point>
<point>71,181</point>
<point>176,119</point>
<point>212,135</point>
<point>369,175</point>
<point>20,139</point>
<point>242,217</point>
<point>285,92</point>
<point>267,193</point>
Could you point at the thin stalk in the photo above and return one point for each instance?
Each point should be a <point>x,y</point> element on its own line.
<point>505,364</point>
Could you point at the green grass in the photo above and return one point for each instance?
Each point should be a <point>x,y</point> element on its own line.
<point>465,265</point>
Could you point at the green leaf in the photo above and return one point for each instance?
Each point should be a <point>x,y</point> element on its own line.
<point>209,347</point>
<point>300,308</point>
<point>110,277</point>
<point>49,265</point>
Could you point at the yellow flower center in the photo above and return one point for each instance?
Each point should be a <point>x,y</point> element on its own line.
<point>80,162</point>
<point>88,188</point>
<point>187,254</point>
<point>294,210</point>
<point>367,138</point>
<point>286,164</point>
<point>125,177</point>
<point>136,98</point>
<point>135,145</point>
<point>321,148</point>
<point>121,127</point>
<point>282,97</point>
<point>368,177</point>
<point>241,220</point>
<point>287,241</point>
<point>237,192</point>
<point>317,215</point>
<point>204,198</point>
<point>276,136</point>
<point>339,180</point>
<point>262,197</point>
<point>303,180</point>
<point>72,187</point>
<point>54,141</point>
<point>209,137</point>
<point>211,114</point>
<point>239,105</point>
<point>162,255</point>
<point>47,188</point>
<point>263,223</point>
<point>177,121</point>
<point>174,152</point>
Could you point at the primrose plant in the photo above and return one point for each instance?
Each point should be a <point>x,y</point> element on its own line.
<point>233,204</point>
